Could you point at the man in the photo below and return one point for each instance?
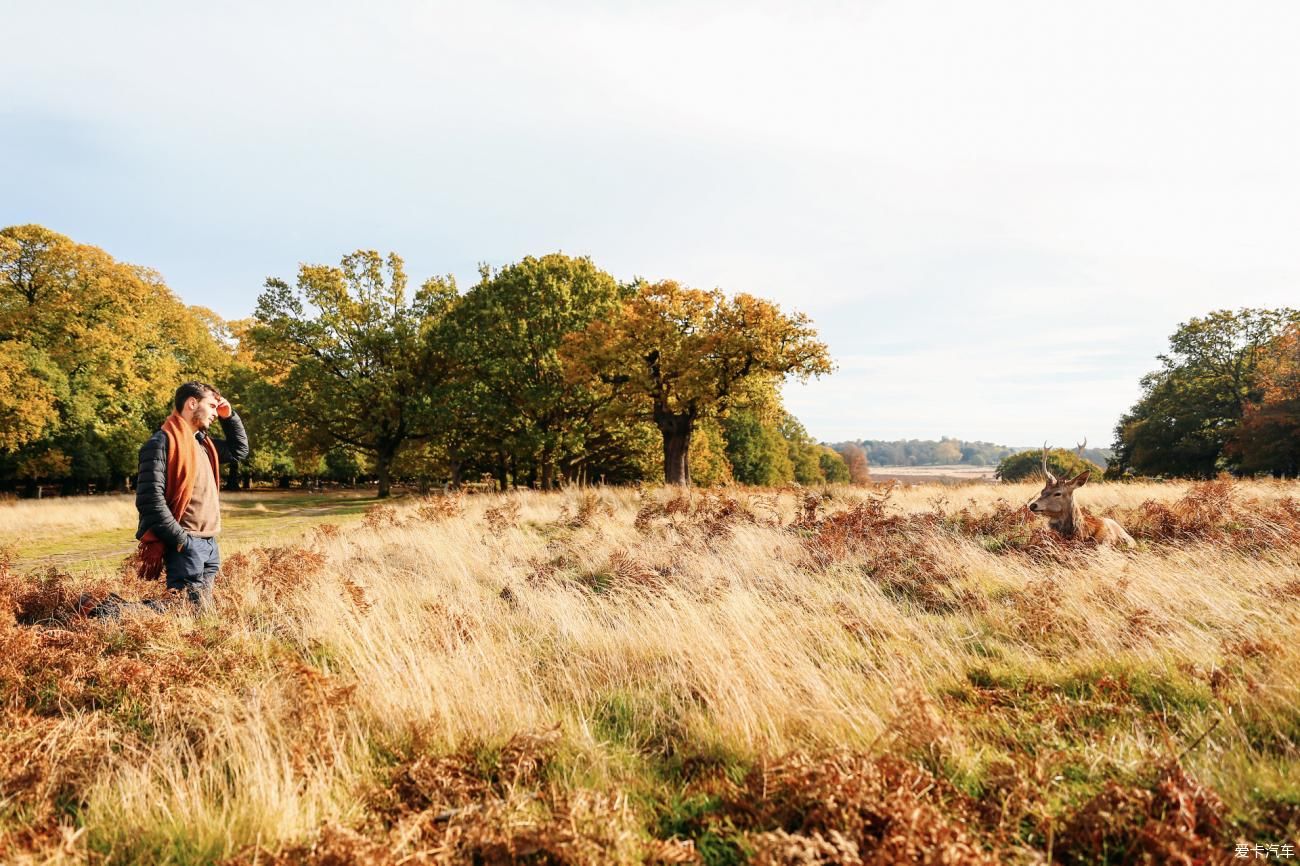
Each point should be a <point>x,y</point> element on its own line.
<point>177,490</point>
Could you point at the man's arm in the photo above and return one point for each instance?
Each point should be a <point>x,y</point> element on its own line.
<point>150,493</point>
<point>235,445</point>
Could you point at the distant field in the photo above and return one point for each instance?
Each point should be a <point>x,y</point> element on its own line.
<point>604,676</point>
<point>952,474</point>
<point>79,533</point>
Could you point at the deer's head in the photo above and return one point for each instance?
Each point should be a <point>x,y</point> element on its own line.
<point>1057,496</point>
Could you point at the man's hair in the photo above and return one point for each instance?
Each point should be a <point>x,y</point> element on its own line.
<point>191,389</point>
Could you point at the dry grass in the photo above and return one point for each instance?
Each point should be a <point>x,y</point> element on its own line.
<point>24,518</point>
<point>614,676</point>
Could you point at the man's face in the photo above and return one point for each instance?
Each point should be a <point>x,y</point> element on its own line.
<point>203,410</point>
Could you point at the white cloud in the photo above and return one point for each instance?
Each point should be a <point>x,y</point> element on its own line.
<point>1003,208</point>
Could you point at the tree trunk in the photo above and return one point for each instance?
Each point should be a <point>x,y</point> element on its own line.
<point>548,470</point>
<point>385,454</point>
<point>676,430</point>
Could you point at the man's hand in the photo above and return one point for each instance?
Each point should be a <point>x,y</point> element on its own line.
<point>223,407</point>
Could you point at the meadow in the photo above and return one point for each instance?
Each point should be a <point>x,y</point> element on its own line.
<point>842,675</point>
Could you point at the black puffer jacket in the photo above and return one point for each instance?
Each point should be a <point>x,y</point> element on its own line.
<point>150,500</point>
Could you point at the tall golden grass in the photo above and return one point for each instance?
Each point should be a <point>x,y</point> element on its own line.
<point>620,676</point>
<point>22,519</point>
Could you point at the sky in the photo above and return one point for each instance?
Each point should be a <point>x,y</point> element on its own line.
<point>995,213</point>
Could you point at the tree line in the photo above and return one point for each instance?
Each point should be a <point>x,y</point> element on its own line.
<point>546,371</point>
<point>947,451</point>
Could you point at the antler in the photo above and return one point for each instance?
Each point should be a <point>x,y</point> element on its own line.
<point>1051,479</point>
<point>1082,445</point>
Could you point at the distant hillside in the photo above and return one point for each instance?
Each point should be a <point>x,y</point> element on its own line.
<point>949,452</point>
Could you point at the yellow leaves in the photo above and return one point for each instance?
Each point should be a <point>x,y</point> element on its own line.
<point>27,402</point>
<point>688,350</point>
<point>1279,367</point>
<point>90,347</point>
<point>52,463</point>
<point>708,457</point>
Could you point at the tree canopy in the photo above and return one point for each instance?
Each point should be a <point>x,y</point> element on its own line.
<point>1194,406</point>
<point>91,350</point>
<point>351,355</point>
<point>1061,462</point>
<point>1268,439</point>
<point>675,355</point>
<point>547,371</point>
<point>512,396</point>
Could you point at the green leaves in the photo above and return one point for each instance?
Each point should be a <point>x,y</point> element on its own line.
<point>511,389</point>
<point>352,357</point>
<point>1192,408</point>
<point>1028,465</point>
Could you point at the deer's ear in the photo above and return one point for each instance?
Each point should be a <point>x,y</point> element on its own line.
<point>1080,479</point>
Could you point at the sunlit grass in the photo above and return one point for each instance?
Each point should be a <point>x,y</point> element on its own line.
<point>606,676</point>
<point>82,534</point>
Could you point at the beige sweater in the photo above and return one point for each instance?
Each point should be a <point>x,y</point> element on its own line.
<point>203,517</point>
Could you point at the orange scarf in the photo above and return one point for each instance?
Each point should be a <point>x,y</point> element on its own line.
<point>182,463</point>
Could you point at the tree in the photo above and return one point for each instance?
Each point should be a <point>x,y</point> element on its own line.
<point>709,464</point>
<point>856,460</point>
<point>1192,407</point>
<point>675,356</point>
<point>265,414</point>
<point>756,450</point>
<point>29,396</point>
<point>342,465</point>
<point>1063,463</point>
<point>806,456</point>
<point>833,467</point>
<point>91,350</point>
<point>351,357</point>
<point>948,451</point>
<point>511,394</point>
<point>1268,439</point>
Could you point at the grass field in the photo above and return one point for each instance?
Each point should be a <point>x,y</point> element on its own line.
<point>949,474</point>
<point>79,534</point>
<point>614,676</point>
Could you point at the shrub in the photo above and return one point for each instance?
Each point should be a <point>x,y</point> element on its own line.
<point>1028,465</point>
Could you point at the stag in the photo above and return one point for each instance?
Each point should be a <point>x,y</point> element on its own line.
<point>1068,518</point>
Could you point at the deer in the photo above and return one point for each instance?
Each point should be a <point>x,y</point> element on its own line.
<point>1067,518</point>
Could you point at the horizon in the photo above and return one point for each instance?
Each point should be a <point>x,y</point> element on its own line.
<point>995,216</point>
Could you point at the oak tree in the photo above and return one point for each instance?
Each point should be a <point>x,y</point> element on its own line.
<point>350,356</point>
<point>677,355</point>
<point>515,407</point>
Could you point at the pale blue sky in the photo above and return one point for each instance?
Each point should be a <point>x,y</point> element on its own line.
<point>995,212</point>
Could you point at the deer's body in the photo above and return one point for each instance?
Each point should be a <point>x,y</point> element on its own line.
<point>1070,520</point>
<point>1078,523</point>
